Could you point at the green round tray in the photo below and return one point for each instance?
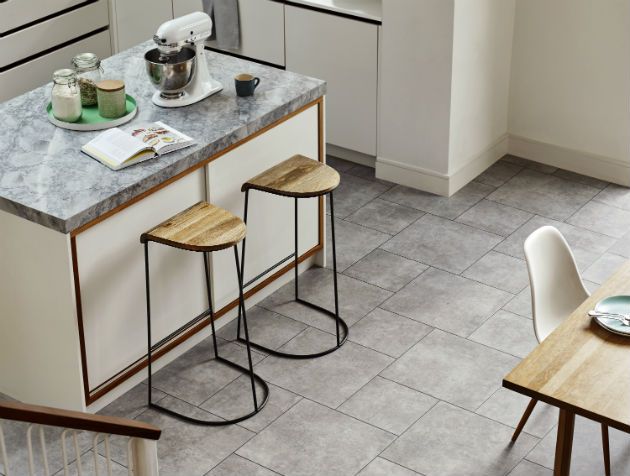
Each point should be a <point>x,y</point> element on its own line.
<point>91,120</point>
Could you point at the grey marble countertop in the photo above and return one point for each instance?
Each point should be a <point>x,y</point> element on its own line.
<point>45,178</point>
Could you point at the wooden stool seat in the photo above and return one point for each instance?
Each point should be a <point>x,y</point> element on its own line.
<point>202,227</point>
<point>298,176</point>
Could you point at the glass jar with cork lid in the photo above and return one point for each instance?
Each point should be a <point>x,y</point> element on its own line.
<point>89,72</point>
<point>112,101</point>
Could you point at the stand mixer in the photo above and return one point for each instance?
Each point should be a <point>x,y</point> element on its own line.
<point>178,67</point>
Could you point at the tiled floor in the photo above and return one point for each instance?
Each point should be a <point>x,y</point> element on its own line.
<point>436,292</point>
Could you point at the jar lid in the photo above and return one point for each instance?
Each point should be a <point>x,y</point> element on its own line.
<point>86,60</point>
<point>65,75</point>
<point>110,85</point>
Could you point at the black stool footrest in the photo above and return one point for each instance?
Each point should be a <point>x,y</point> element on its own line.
<point>288,355</point>
<point>196,421</point>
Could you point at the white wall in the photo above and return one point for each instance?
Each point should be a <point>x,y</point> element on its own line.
<point>415,90</point>
<point>444,82</point>
<point>570,86</point>
<point>482,51</point>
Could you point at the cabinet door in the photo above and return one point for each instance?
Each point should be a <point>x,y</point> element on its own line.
<point>270,221</point>
<point>135,21</point>
<point>262,28</point>
<point>344,53</point>
<point>111,274</point>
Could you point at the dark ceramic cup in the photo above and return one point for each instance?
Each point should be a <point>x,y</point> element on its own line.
<point>245,84</point>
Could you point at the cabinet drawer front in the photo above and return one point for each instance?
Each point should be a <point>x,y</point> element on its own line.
<point>16,13</point>
<point>57,30</point>
<point>37,72</point>
<point>344,52</point>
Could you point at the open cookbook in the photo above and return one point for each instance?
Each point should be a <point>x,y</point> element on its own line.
<point>118,149</point>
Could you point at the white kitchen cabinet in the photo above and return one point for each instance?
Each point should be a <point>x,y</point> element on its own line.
<point>344,52</point>
<point>270,217</point>
<point>135,21</point>
<point>111,269</point>
<point>262,28</point>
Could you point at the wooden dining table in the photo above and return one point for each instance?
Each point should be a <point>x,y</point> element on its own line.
<point>582,369</point>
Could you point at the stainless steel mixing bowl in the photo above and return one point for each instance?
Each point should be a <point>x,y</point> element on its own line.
<point>171,73</point>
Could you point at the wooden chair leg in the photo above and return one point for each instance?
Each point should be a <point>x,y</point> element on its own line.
<point>524,418</point>
<point>606,447</point>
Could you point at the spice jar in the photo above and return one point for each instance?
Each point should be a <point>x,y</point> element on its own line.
<point>89,72</point>
<point>112,102</point>
<point>65,95</point>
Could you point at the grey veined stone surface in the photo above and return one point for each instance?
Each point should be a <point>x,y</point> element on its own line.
<point>45,178</point>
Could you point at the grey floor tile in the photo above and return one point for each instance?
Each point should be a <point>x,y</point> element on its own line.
<point>438,242</point>
<point>603,268</point>
<point>132,403</point>
<point>507,407</point>
<point>340,165</point>
<point>265,327</point>
<point>447,301</point>
<point>544,194</point>
<point>521,304</point>
<point>525,468</point>
<point>88,469</point>
<point>17,452</point>
<point>622,246</point>
<point>542,168</point>
<point>494,217</point>
<point>449,441</point>
<point>384,216</point>
<point>354,192</point>
<point>387,332</point>
<point>513,159</point>
<point>367,173</point>
<point>579,178</point>
<point>500,271</point>
<point>587,457</point>
<point>329,380</point>
<point>498,173</point>
<point>353,243</point>
<point>385,270</point>
<point>587,245</point>
<point>196,376</point>
<point>311,439</point>
<point>356,299</point>
<point>184,448</point>
<point>387,405</point>
<point>382,467</point>
<point>447,207</point>
<point>507,332</point>
<point>451,368</point>
<point>602,218</point>
<point>234,465</point>
<point>615,195</point>
<point>236,399</point>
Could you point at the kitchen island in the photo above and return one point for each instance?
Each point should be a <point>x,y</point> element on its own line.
<point>72,299</point>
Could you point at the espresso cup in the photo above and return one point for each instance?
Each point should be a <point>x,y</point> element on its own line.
<point>245,84</point>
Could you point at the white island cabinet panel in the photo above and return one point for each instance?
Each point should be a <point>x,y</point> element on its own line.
<point>344,52</point>
<point>270,221</point>
<point>261,24</point>
<point>111,270</point>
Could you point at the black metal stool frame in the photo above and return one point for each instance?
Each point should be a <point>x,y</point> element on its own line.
<point>208,313</point>
<point>340,324</point>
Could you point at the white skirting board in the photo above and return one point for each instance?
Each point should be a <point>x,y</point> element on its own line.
<point>350,155</point>
<point>439,183</point>
<point>585,163</point>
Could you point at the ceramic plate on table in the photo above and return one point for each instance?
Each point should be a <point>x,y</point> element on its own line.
<point>614,304</point>
<point>91,120</point>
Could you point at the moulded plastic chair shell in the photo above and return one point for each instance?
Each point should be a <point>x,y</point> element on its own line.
<point>556,287</point>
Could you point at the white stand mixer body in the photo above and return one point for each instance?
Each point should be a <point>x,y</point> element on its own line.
<point>172,35</point>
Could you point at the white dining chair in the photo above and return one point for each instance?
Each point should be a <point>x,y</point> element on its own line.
<point>557,290</point>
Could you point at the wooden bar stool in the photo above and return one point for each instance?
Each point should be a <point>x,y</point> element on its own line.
<point>202,228</point>
<point>298,177</point>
